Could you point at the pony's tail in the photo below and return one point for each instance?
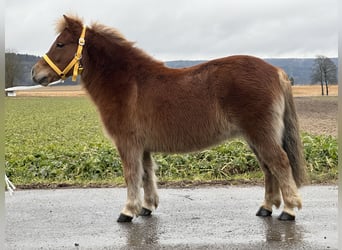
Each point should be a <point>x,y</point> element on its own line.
<point>292,143</point>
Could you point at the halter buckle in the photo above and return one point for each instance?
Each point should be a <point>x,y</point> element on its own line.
<point>81,41</point>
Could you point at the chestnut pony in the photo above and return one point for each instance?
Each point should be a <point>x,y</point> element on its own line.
<point>147,107</point>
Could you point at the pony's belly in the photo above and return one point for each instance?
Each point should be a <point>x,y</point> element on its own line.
<point>188,143</point>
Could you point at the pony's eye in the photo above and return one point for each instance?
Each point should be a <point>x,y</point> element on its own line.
<point>60,45</point>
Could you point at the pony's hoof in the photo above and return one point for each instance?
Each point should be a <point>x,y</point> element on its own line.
<point>263,212</point>
<point>145,212</point>
<point>124,218</point>
<point>286,217</point>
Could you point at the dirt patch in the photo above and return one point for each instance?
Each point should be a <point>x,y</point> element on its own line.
<point>317,115</point>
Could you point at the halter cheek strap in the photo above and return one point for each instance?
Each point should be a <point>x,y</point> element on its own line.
<point>75,62</point>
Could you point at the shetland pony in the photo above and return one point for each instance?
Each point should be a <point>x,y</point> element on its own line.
<point>147,107</point>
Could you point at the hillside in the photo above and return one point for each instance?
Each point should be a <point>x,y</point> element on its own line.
<point>298,68</point>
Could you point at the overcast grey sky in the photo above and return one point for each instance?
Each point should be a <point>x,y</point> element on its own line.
<point>187,29</point>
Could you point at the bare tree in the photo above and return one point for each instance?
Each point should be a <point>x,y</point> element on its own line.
<point>291,80</point>
<point>325,72</point>
<point>13,69</point>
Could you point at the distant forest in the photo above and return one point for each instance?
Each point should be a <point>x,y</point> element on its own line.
<point>299,69</point>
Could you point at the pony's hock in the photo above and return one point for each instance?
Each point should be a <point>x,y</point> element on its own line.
<point>147,107</point>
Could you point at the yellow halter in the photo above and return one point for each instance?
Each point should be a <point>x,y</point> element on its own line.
<point>74,62</point>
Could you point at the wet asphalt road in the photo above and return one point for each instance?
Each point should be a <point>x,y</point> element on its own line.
<point>199,218</point>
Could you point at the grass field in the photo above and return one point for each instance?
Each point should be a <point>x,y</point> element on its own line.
<point>59,141</point>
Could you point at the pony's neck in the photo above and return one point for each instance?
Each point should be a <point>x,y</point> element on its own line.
<point>107,57</point>
<point>109,65</point>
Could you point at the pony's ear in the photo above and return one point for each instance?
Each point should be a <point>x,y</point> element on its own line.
<point>65,17</point>
<point>68,21</point>
<point>72,23</point>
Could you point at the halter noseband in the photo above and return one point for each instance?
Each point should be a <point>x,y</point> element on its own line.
<point>74,62</point>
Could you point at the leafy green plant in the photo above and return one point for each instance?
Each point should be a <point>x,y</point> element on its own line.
<point>321,157</point>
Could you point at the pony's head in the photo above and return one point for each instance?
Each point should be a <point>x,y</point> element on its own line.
<point>63,58</point>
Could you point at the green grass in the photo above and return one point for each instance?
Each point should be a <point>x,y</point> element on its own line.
<point>59,141</point>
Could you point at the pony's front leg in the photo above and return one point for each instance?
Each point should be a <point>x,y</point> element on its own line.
<point>133,171</point>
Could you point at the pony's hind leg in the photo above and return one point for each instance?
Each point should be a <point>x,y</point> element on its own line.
<point>272,191</point>
<point>278,165</point>
<point>133,172</point>
<point>151,198</point>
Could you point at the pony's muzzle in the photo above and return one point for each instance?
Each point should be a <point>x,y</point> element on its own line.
<point>41,75</point>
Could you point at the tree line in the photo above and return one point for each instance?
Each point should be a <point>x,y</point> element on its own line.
<point>13,68</point>
<point>18,68</point>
